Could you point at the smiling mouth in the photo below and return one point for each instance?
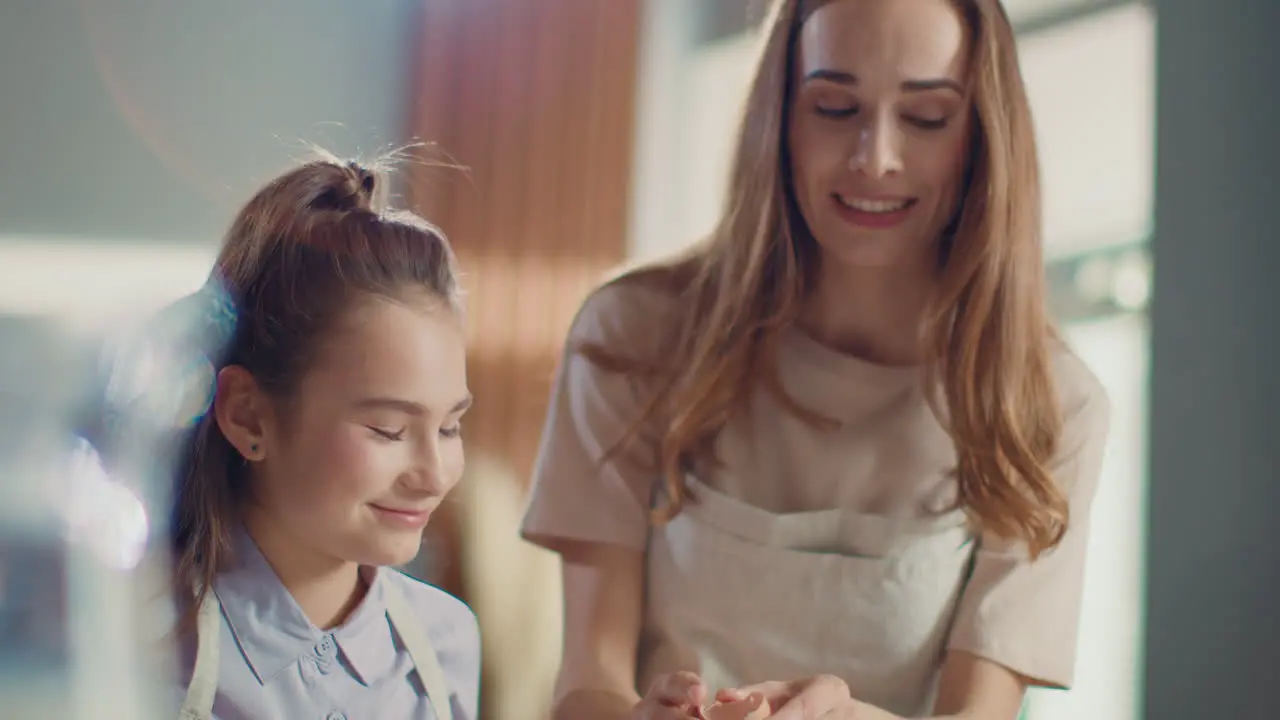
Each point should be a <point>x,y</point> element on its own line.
<point>878,207</point>
<point>404,511</point>
<point>404,516</point>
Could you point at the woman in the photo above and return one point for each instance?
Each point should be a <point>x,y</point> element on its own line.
<point>869,459</point>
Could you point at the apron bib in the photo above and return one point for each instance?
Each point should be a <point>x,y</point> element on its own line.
<point>740,595</point>
<point>198,704</point>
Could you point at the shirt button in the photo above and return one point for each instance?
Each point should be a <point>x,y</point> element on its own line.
<point>325,652</point>
<point>325,648</point>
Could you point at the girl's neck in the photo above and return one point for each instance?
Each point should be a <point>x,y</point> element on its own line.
<point>327,589</point>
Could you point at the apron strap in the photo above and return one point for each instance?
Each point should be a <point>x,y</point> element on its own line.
<point>203,687</point>
<point>198,704</point>
<point>416,642</point>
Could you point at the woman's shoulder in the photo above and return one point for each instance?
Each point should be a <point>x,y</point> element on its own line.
<point>1080,393</point>
<point>634,309</point>
<point>636,300</point>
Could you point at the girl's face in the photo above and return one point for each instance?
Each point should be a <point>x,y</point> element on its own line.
<point>355,465</point>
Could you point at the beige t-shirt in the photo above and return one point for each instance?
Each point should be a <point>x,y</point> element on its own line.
<point>887,457</point>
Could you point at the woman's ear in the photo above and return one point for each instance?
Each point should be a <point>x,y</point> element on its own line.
<point>241,410</point>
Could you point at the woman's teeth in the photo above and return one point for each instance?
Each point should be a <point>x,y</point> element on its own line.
<point>873,206</point>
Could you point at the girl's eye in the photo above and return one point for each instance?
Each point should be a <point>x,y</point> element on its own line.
<point>392,435</point>
<point>451,432</point>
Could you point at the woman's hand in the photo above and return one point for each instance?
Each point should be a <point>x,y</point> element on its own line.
<point>674,696</point>
<point>824,697</point>
<point>733,705</point>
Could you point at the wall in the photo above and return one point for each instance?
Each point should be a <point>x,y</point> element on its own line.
<point>537,101</point>
<point>132,129</point>
<point>1092,90</point>
<point>1213,643</point>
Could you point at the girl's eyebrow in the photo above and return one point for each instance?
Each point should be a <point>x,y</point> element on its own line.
<point>387,403</point>
<point>408,406</point>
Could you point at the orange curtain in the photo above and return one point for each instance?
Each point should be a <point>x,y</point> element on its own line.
<point>535,99</point>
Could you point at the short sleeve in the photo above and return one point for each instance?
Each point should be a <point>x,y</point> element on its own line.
<point>1023,614</point>
<point>594,476</point>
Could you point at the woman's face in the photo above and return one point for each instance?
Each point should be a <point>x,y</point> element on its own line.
<point>879,127</point>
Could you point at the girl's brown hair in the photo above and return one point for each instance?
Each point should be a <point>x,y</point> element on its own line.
<point>987,331</point>
<point>298,255</point>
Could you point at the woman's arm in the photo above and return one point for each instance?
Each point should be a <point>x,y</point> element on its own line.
<point>592,484</point>
<point>972,688</point>
<point>604,596</point>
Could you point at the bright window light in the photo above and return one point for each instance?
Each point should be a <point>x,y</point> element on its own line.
<point>89,279</point>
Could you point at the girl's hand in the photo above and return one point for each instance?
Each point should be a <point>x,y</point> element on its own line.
<point>674,696</point>
<point>824,697</point>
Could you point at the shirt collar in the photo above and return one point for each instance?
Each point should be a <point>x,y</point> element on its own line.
<point>273,632</point>
<point>366,639</point>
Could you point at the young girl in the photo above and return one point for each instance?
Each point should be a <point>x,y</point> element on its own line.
<point>874,459</point>
<point>333,436</point>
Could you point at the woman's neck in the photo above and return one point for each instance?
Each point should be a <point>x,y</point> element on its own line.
<point>871,313</point>
<point>327,589</point>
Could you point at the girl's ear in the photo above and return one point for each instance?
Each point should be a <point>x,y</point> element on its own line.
<point>242,412</point>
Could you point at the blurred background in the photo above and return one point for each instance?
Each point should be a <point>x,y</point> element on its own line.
<point>596,132</point>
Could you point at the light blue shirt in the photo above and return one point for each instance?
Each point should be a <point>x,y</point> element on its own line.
<point>275,664</point>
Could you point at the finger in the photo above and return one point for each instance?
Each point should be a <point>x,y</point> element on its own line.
<point>774,692</point>
<point>682,689</point>
<point>737,704</point>
<point>728,695</point>
<point>757,706</point>
<point>654,711</point>
<point>821,696</point>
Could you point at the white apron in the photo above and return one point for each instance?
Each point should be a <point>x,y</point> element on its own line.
<point>740,595</point>
<point>204,678</point>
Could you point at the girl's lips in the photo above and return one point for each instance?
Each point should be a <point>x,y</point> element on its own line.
<point>403,517</point>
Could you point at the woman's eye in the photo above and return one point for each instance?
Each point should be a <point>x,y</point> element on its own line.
<point>836,112</point>
<point>451,432</point>
<point>928,123</point>
<point>385,434</point>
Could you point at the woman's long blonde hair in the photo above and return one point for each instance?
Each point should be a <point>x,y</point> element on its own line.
<point>987,331</point>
